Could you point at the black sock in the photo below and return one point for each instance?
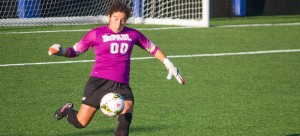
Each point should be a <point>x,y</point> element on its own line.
<point>124,121</point>
<point>71,115</point>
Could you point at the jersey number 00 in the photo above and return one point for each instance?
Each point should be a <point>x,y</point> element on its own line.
<point>116,48</point>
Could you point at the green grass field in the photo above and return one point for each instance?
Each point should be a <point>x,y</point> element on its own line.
<point>255,95</point>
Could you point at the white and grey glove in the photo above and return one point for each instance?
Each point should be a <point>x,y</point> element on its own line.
<point>56,49</point>
<point>173,71</point>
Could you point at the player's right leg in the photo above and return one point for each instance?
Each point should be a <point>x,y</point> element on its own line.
<point>59,114</point>
<point>78,119</point>
<point>85,114</point>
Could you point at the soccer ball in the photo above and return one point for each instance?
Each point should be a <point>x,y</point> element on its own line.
<point>112,104</point>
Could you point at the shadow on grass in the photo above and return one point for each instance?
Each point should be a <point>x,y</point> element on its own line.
<point>293,135</point>
<point>110,131</point>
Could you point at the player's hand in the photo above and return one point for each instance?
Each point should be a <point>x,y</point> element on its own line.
<point>173,71</point>
<point>56,49</point>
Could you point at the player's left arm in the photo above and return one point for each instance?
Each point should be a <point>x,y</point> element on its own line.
<point>173,71</point>
<point>153,49</point>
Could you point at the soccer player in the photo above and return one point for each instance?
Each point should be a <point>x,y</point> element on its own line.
<point>112,44</point>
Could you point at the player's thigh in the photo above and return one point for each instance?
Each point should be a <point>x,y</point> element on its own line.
<point>85,114</point>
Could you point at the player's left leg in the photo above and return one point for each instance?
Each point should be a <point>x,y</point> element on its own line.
<point>124,120</point>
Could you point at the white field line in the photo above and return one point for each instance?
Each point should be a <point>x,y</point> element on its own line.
<point>50,31</point>
<point>254,25</point>
<point>153,29</point>
<point>174,56</point>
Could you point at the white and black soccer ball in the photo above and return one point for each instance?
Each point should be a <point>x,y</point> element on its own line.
<point>112,104</point>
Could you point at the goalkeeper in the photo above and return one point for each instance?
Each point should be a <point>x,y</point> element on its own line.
<point>112,44</point>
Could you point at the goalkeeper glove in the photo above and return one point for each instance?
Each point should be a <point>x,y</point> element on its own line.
<point>56,49</point>
<point>173,71</point>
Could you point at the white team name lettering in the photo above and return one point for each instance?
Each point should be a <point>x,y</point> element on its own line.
<point>116,37</point>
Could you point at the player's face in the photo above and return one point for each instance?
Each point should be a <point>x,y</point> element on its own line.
<point>117,21</point>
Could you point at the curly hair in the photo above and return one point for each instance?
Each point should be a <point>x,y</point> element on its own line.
<point>119,6</point>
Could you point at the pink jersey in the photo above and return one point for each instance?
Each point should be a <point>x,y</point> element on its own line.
<point>113,51</point>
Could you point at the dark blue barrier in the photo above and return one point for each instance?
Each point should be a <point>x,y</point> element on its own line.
<point>28,8</point>
<point>239,7</point>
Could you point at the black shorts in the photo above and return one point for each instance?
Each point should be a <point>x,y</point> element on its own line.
<point>96,88</point>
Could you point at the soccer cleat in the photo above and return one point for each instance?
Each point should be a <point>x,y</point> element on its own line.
<point>59,114</point>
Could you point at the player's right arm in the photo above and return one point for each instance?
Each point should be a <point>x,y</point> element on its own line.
<point>58,50</point>
<point>79,48</point>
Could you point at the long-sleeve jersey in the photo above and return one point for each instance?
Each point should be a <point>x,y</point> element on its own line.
<point>113,51</point>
